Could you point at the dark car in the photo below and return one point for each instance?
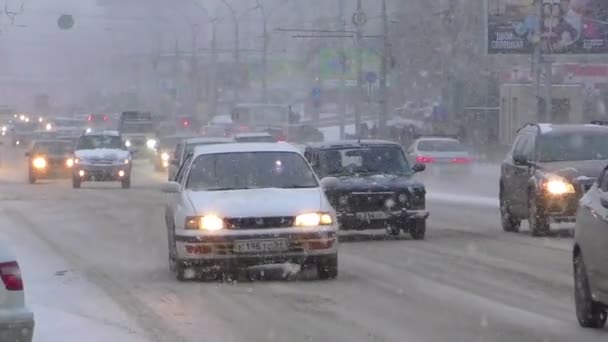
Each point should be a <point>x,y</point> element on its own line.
<point>547,171</point>
<point>164,150</point>
<point>49,159</point>
<point>370,185</point>
<point>590,256</point>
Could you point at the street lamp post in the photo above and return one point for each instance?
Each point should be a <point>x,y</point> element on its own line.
<point>237,53</point>
<point>264,52</point>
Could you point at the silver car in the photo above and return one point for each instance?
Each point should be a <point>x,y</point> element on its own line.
<point>223,217</point>
<point>590,256</point>
<point>440,155</point>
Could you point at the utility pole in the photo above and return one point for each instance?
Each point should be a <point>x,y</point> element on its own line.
<point>265,41</point>
<point>537,56</point>
<point>386,56</point>
<point>237,52</point>
<point>359,19</point>
<point>195,85</point>
<point>342,110</point>
<point>213,71</point>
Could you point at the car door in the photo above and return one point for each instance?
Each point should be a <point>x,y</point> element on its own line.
<point>175,202</point>
<point>412,152</point>
<point>515,177</point>
<point>595,234</point>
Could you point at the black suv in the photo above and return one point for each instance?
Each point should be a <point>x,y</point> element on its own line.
<point>370,185</point>
<point>547,171</point>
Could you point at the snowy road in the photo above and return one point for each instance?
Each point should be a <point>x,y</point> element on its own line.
<point>95,263</point>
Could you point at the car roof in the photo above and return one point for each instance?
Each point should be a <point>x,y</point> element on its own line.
<point>352,143</point>
<point>245,147</point>
<point>48,141</point>
<point>207,140</point>
<point>253,135</point>
<point>548,128</point>
<point>438,139</point>
<point>112,133</point>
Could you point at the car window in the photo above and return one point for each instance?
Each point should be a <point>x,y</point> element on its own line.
<point>357,160</point>
<point>179,177</point>
<point>528,147</point>
<point>573,146</point>
<point>177,151</point>
<point>440,146</point>
<point>520,142</point>
<point>250,170</point>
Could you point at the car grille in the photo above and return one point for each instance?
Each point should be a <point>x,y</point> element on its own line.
<point>372,201</point>
<point>260,222</point>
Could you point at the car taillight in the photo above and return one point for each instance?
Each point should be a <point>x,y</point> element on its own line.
<point>90,118</point>
<point>425,160</point>
<point>462,160</point>
<point>242,129</point>
<point>105,118</point>
<point>11,276</point>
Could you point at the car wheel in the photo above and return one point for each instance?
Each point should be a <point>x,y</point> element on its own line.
<point>539,225</point>
<point>418,229</point>
<point>509,223</point>
<point>126,182</point>
<point>32,179</point>
<point>393,231</point>
<point>76,182</point>
<point>327,268</point>
<point>589,313</point>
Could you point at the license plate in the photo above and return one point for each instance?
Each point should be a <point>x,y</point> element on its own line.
<point>261,246</point>
<point>374,215</point>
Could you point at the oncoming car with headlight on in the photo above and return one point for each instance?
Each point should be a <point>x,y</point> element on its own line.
<point>101,157</point>
<point>548,170</point>
<point>235,206</point>
<point>49,159</point>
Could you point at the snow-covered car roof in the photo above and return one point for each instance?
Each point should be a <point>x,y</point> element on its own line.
<point>208,140</point>
<point>253,135</point>
<point>245,147</point>
<point>437,139</point>
<point>112,133</point>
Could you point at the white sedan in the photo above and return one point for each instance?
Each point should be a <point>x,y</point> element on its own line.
<point>16,321</point>
<point>234,206</point>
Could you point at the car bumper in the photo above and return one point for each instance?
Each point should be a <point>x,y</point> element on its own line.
<point>222,251</point>
<point>560,208</point>
<point>17,327</point>
<point>380,220</point>
<point>101,173</point>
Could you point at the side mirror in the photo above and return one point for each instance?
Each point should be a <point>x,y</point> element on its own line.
<point>171,187</point>
<point>520,160</point>
<point>174,161</point>
<point>418,167</point>
<point>329,182</point>
<point>27,154</point>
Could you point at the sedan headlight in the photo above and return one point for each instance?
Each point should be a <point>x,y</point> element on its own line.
<point>69,162</point>
<point>151,143</point>
<point>209,222</point>
<point>559,187</point>
<point>39,163</point>
<point>164,156</point>
<point>128,143</point>
<point>313,219</point>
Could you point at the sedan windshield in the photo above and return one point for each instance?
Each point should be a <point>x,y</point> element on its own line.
<point>92,142</point>
<point>250,170</point>
<point>347,161</point>
<point>52,147</point>
<point>572,147</point>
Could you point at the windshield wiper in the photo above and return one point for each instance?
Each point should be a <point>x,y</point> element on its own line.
<point>298,186</point>
<point>228,188</point>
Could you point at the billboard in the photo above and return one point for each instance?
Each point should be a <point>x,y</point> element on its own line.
<point>567,26</point>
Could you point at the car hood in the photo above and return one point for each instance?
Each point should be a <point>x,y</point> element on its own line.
<point>382,182</point>
<point>258,202</point>
<point>102,153</point>
<point>575,169</point>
